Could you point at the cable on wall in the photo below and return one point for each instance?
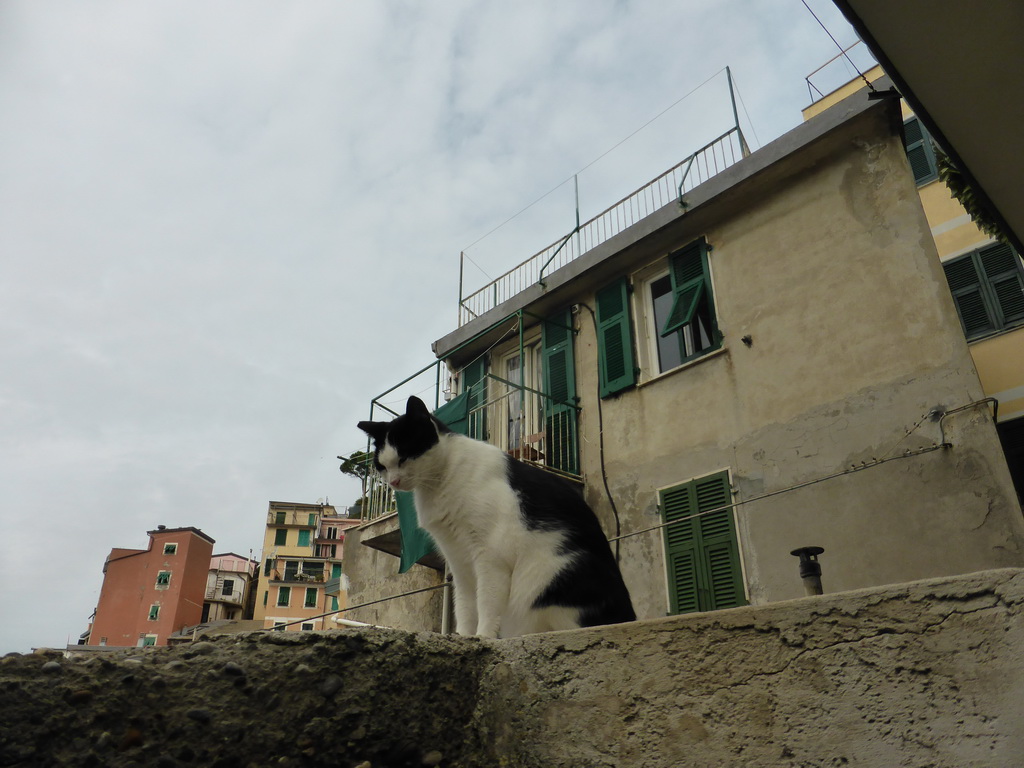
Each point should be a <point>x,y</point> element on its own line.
<point>600,435</point>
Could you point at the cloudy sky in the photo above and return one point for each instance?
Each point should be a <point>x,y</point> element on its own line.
<point>225,227</point>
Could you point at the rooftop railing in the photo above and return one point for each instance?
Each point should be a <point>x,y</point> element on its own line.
<point>669,187</point>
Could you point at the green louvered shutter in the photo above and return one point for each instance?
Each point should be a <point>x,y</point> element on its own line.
<point>474,381</point>
<point>1003,269</point>
<point>615,339</point>
<point>703,555</point>
<point>919,151</point>
<point>721,562</point>
<point>965,285</point>
<point>560,388</point>
<point>681,549</point>
<point>689,283</point>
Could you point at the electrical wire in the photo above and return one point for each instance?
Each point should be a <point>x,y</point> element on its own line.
<point>849,471</point>
<point>600,441</point>
<point>585,167</point>
<point>841,49</point>
<point>354,607</point>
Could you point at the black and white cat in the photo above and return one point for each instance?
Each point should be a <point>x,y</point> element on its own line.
<point>525,551</point>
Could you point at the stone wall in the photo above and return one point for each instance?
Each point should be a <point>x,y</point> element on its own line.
<point>923,674</point>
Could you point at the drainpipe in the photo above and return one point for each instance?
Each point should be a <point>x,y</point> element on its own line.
<point>810,568</point>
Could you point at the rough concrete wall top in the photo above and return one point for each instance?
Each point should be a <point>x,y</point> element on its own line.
<point>923,674</point>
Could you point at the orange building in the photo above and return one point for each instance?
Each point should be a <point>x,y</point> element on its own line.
<point>148,594</point>
<point>302,566</point>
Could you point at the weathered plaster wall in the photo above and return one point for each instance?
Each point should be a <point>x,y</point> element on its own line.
<point>827,264</point>
<point>374,575</point>
<point>923,674</point>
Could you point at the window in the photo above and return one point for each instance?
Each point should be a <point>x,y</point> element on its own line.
<point>228,588</point>
<point>1011,435</point>
<point>154,612</point>
<point>334,602</point>
<point>279,625</point>
<point>304,537</point>
<point>336,570</point>
<point>291,570</point>
<point>147,640</point>
<point>518,411</point>
<point>279,518</point>
<point>170,549</point>
<point>313,570</point>
<point>474,382</point>
<point>312,520</point>
<point>163,579</point>
<point>988,289</point>
<point>332,533</point>
<point>267,566</point>
<point>266,594</point>
<point>311,595</point>
<point>682,308</point>
<point>281,537</point>
<point>920,151</point>
<point>284,596</point>
<point>559,370</point>
<point>701,553</point>
<point>307,626</point>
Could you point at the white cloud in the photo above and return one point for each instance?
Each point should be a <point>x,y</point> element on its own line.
<point>225,227</point>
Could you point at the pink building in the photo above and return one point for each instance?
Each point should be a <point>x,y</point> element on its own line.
<point>229,588</point>
<point>148,594</point>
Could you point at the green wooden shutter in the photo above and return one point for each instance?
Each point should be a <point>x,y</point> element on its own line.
<point>474,381</point>
<point>615,339</point>
<point>1003,269</point>
<point>702,554</point>
<point>303,538</point>
<point>681,549</point>
<point>719,550</point>
<point>919,151</point>
<point>686,267</point>
<point>965,285</point>
<point>560,388</point>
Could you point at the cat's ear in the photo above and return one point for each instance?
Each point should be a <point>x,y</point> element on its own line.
<point>416,408</point>
<point>378,430</point>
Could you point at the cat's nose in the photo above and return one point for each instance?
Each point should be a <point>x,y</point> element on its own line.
<point>394,483</point>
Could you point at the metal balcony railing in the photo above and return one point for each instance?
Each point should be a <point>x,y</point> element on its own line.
<point>669,187</point>
<point>302,517</point>
<point>522,421</point>
<point>846,66</point>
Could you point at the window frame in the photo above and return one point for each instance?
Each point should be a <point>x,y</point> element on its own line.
<point>698,546</point>
<point>981,285</point>
<point>280,537</point>
<point>311,592</point>
<point>647,329</point>
<point>161,581</point>
<point>171,548</point>
<point>154,612</point>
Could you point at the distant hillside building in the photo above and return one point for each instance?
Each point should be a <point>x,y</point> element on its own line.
<point>151,593</point>
<point>302,566</point>
<point>229,585</point>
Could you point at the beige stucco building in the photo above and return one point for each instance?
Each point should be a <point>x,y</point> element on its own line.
<point>771,361</point>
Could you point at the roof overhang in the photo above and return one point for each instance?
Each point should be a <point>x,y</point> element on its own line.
<point>959,67</point>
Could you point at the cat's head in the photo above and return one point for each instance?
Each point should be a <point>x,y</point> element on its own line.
<point>401,448</point>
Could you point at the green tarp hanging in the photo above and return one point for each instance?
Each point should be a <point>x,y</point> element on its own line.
<point>416,542</point>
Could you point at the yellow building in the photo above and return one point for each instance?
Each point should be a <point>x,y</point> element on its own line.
<point>301,577</point>
<point>986,278</point>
